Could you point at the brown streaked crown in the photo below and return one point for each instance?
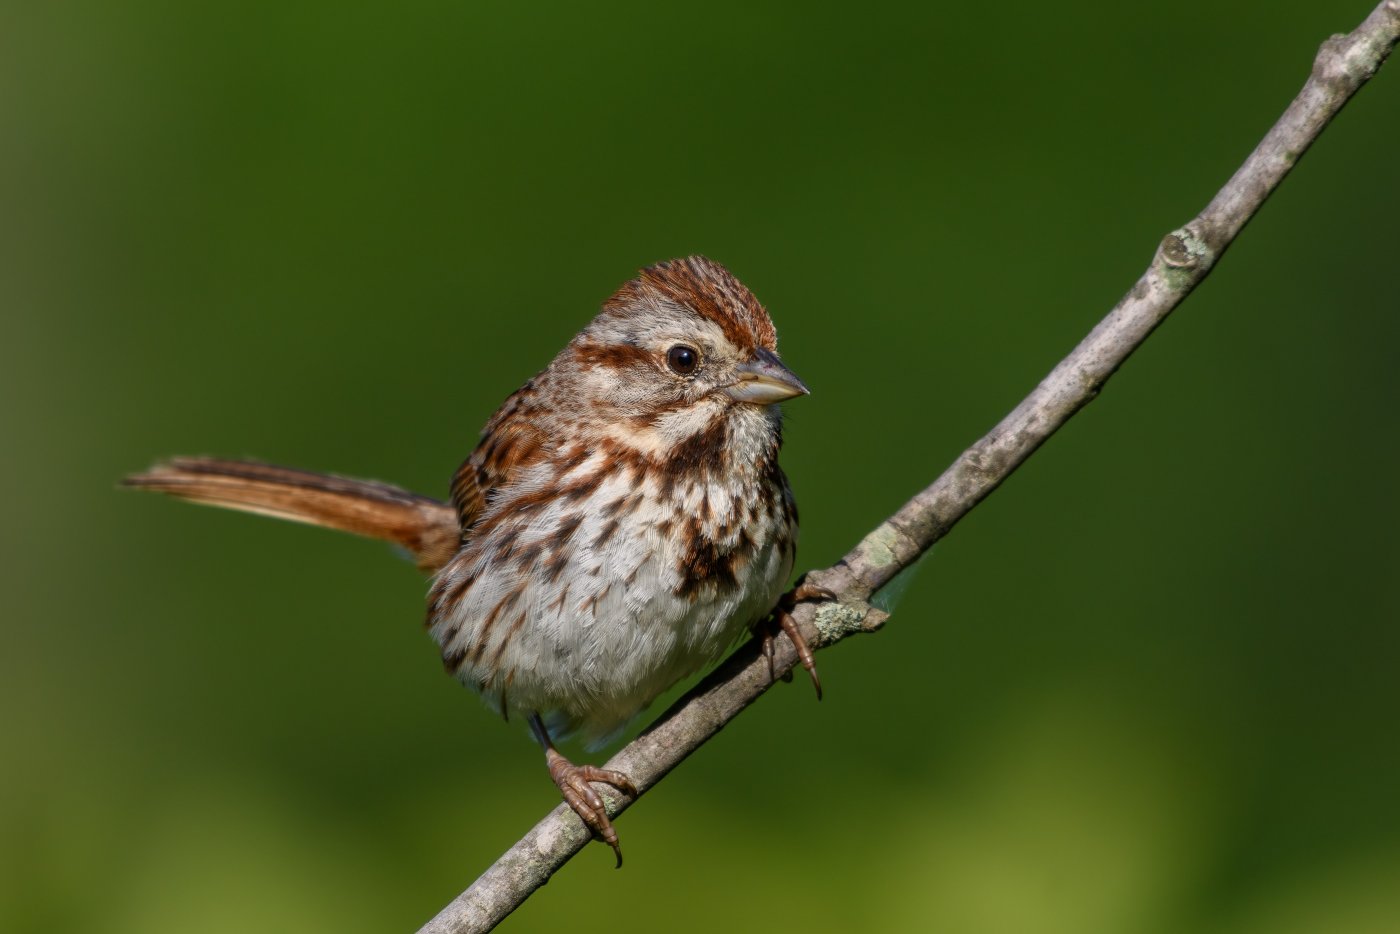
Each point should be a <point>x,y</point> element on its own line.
<point>707,288</point>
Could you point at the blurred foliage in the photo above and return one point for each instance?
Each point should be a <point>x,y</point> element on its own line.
<point>1149,686</point>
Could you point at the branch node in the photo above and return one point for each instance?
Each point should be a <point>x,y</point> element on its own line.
<point>1331,53</point>
<point>1182,249</point>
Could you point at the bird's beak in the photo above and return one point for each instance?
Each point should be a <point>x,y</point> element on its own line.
<point>764,380</point>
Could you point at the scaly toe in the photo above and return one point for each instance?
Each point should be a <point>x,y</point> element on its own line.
<point>805,592</point>
<point>573,783</point>
<point>763,629</point>
<point>782,616</point>
<point>618,780</point>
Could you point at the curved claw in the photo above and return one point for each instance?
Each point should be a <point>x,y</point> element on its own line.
<point>782,615</point>
<point>573,782</point>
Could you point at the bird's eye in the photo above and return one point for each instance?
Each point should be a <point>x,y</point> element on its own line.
<point>682,359</point>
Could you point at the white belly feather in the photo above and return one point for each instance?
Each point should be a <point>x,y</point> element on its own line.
<point>593,639</point>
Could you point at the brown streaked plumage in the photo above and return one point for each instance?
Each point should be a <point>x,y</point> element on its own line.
<point>621,522</point>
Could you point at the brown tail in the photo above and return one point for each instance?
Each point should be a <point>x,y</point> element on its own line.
<point>426,527</point>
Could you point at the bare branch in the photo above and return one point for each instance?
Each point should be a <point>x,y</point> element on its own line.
<point>1183,259</point>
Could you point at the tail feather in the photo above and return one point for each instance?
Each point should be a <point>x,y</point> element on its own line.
<point>425,527</point>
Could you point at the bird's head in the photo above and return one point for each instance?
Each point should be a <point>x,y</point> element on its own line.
<point>679,350</point>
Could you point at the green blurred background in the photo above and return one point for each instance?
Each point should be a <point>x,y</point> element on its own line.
<point>1149,686</point>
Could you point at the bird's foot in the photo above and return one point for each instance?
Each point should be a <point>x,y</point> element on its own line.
<point>573,782</point>
<point>781,620</point>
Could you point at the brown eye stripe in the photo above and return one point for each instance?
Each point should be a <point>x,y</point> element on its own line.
<point>612,356</point>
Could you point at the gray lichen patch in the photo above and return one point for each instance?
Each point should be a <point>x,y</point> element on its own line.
<point>836,621</point>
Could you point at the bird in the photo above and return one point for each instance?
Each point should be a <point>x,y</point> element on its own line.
<point>622,521</point>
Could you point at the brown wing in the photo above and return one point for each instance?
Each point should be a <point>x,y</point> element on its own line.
<point>425,527</point>
<point>509,440</point>
<point>467,495</point>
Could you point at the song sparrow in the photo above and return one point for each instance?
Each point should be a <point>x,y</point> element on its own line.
<point>621,522</point>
